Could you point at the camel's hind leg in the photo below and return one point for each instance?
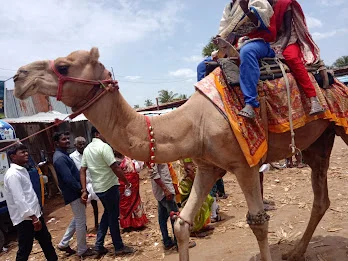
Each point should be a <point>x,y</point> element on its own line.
<point>205,178</point>
<point>249,181</point>
<point>317,156</point>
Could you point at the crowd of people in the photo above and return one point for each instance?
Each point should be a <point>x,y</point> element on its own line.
<point>95,172</point>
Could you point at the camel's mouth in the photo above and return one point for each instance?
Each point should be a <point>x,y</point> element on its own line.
<point>23,92</point>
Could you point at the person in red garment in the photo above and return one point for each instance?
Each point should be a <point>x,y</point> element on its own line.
<point>295,45</point>
<point>132,214</point>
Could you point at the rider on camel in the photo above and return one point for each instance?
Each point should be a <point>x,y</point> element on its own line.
<point>295,45</point>
<point>250,26</point>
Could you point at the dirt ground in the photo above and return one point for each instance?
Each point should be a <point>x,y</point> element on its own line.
<point>232,239</point>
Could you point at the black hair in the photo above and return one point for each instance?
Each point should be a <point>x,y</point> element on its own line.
<point>94,131</point>
<point>13,150</point>
<point>56,135</point>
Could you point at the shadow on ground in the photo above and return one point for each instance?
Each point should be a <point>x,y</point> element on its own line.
<point>329,248</point>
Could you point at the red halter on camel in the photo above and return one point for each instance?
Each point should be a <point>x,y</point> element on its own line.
<point>62,79</point>
<point>107,85</point>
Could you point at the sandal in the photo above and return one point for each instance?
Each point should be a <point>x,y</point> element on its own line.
<point>207,228</point>
<point>316,108</point>
<point>268,207</point>
<point>301,165</point>
<point>247,112</point>
<point>191,244</point>
<point>199,234</point>
<point>269,202</point>
<point>217,219</point>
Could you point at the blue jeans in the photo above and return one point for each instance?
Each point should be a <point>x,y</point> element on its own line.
<point>164,208</point>
<point>111,202</point>
<point>250,54</point>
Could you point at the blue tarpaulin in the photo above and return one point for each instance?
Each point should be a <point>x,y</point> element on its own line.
<point>343,79</point>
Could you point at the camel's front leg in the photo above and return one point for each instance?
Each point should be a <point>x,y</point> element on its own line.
<point>249,181</point>
<point>317,156</point>
<point>205,178</point>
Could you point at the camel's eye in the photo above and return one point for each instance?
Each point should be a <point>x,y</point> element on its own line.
<point>63,69</point>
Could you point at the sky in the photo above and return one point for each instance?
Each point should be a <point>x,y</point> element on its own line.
<point>150,44</point>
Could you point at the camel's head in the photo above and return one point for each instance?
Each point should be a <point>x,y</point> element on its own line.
<point>39,77</point>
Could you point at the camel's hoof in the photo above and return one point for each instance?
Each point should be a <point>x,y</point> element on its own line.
<point>290,257</point>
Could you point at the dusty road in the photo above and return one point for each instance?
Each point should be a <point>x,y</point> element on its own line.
<point>232,239</point>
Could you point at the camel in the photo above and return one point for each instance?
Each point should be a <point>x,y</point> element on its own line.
<point>196,130</point>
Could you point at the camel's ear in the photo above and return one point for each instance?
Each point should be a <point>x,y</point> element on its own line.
<point>94,55</point>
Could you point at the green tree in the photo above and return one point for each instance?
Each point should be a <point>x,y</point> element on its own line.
<point>136,106</point>
<point>148,103</point>
<point>166,96</point>
<point>209,48</point>
<point>341,62</point>
<point>182,97</point>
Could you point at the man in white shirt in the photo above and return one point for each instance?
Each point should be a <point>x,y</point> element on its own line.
<point>76,156</point>
<point>24,208</point>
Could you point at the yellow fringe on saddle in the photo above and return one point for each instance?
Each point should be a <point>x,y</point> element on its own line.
<point>252,152</point>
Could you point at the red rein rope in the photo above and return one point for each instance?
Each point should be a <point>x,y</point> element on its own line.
<point>61,80</point>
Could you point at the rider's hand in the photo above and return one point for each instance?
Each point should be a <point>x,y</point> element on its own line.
<point>84,197</point>
<point>169,195</point>
<point>244,4</point>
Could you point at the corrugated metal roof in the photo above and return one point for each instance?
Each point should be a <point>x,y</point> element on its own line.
<point>44,117</point>
<point>163,106</point>
<point>59,106</point>
<point>38,103</point>
<point>17,108</point>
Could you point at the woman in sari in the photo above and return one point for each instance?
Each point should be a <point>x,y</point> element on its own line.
<point>132,214</point>
<point>202,219</point>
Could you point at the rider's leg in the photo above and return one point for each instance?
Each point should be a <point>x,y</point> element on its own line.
<point>250,54</point>
<point>293,59</point>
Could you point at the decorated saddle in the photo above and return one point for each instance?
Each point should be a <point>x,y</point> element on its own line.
<point>272,96</point>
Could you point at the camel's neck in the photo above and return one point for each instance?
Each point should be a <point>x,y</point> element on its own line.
<point>127,132</point>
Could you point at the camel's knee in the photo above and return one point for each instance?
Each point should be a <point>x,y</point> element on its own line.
<point>181,231</point>
<point>259,224</point>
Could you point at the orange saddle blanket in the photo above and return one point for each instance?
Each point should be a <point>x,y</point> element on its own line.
<point>251,134</point>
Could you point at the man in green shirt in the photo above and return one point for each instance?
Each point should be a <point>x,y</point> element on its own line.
<point>99,158</point>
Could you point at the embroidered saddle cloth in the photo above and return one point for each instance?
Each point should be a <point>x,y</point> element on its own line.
<point>251,134</point>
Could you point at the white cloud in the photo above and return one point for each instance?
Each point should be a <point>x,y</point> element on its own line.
<point>132,78</point>
<point>184,73</point>
<point>320,36</point>
<point>193,59</point>
<point>33,30</point>
<point>313,22</point>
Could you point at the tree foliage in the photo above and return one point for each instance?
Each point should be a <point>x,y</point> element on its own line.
<point>148,103</point>
<point>341,62</point>
<point>165,96</point>
<point>182,97</point>
<point>136,106</point>
<point>209,48</point>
